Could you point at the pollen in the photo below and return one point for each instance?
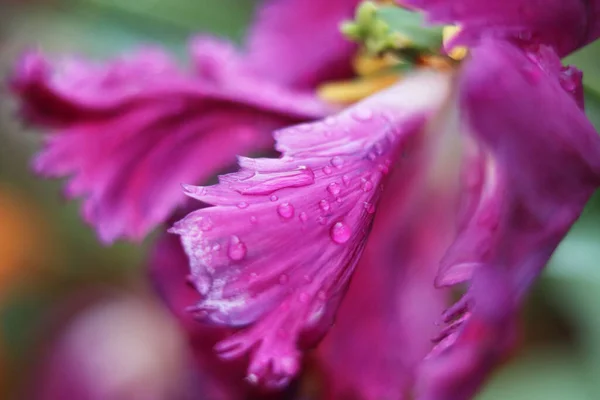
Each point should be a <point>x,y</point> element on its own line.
<point>351,91</point>
<point>449,33</point>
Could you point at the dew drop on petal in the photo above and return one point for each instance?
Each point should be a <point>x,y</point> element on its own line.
<point>367,186</point>
<point>324,205</point>
<point>326,170</point>
<point>346,180</point>
<point>384,169</point>
<point>304,297</point>
<point>334,188</point>
<point>362,114</point>
<point>237,249</point>
<point>340,232</point>
<point>242,205</point>
<point>285,210</point>
<point>303,217</point>
<point>253,219</point>
<point>369,207</point>
<point>274,198</point>
<point>330,121</point>
<point>337,161</point>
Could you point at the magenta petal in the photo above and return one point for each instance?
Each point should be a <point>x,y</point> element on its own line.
<point>168,268</point>
<point>129,132</point>
<point>276,252</point>
<point>538,162</point>
<point>386,322</point>
<point>564,24</point>
<point>298,42</point>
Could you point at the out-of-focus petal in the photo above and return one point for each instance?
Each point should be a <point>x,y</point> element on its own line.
<point>276,252</point>
<point>386,321</point>
<point>129,132</point>
<point>564,24</point>
<point>111,347</point>
<point>298,43</point>
<point>168,268</point>
<point>536,163</point>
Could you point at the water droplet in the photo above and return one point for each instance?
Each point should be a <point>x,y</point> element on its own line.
<point>237,249</point>
<point>253,219</point>
<point>372,156</point>
<point>283,279</point>
<point>304,297</point>
<point>205,223</point>
<point>324,205</point>
<point>274,198</point>
<point>322,220</point>
<point>242,205</point>
<point>326,170</point>
<point>337,161</point>
<point>334,189</point>
<point>367,185</point>
<point>362,114</point>
<point>285,210</point>
<point>321,295</point>
<point>384,169</point>
<point>340,232</point>
<point>369,207</point>
<point>307,279</point>
<point>303,217</point>
<point>330,121</point>
<point>346,180</point>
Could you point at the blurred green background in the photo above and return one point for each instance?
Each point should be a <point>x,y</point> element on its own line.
<point>46,252</point>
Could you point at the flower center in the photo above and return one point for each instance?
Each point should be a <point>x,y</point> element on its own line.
<point>393,40</point>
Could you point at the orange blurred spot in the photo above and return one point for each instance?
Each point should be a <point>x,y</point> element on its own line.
<point>23,237</point>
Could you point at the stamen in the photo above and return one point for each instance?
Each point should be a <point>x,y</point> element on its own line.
<point>448,34</point>
<point>348,92</point>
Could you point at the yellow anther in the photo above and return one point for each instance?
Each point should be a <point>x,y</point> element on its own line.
<point>365,64</point>
<point>458,52</point>
<point>348,92</point>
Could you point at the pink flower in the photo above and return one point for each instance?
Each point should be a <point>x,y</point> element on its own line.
<point>466,177</point>
<point>275,254</point>
<point>128,132</point>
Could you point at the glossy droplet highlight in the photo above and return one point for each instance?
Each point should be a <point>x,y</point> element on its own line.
<point>304,297</point>
<point>346,180</point>
<point>326,170</point>
<point>285,210</point>
<point>330,121</point>
<point>340,232</point>
<point>242,205</point>
<point>303,217</point>
<point>334,189</point>
<point>274,198</point>
<point>324,205</point>
<point>337,161</point>
<point>367,186</point>
<point>369,207</point>
<point>237,249</point>
<point>253,219</point>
